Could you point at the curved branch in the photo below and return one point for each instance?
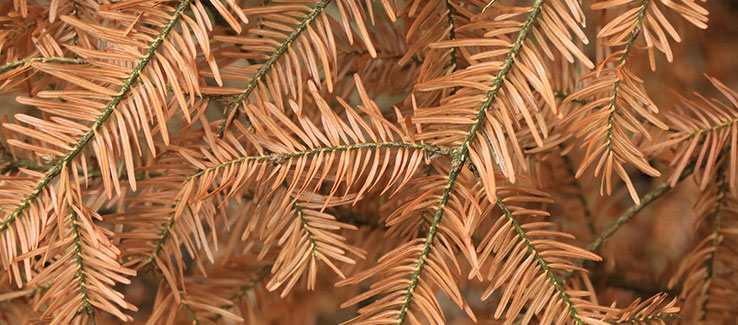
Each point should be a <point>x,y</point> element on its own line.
<point>57,167</point>
<point>282,158</point>
<point>460,154</point>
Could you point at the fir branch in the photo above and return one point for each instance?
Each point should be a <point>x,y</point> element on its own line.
<point>641,319</point>
<point>713,128</point>
<point>191,313</point>
<point>244,289</point>
<point>10,65</point>
<point>284,157</point>
<point>620,63</point>
<point>460,154</point>
<point>85,305</point>
<point>281,158</point>
<point>715,215</point>
<point>57,167</point>
<point>557,284</point>
<point>232,112</point>
<point>304,226</point>
<point>15,164</point>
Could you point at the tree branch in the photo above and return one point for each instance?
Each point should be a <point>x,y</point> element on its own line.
<point>57,167</point>
<point>460,154</point>
<point>232,112</point>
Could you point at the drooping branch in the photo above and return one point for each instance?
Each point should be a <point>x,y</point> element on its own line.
<point>628,214</point>
<point>281,159</point>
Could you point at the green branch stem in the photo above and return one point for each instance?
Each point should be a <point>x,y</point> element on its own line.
<point>626,216</point>
<point>77,246</point>
<point>460,154</point>
<point>725,124</point>
<point>232,112</point>
<point>621,62</point>
<point>557,284</point>
<point>11,65</point>
<point>715,216</point>
<point>641,319</point>
<point>281,158</point>
<point>580,197</point>
<point>57,167</point>
<point>451,35</point>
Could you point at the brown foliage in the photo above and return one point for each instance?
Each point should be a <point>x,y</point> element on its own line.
<point>366,162</point>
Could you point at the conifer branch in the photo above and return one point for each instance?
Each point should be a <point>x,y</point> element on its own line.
<point>557,284</point>
<point>232,112</point>
<point>57,167</point>
<point>713,128</point>
<point>619,64</point>
<point>10,65</point>
<point>244,290</point>
<point>85,305</point>
<point>641,319</point>
<point>282,158</point>
<point>460,154</point>
<point>579,194</point>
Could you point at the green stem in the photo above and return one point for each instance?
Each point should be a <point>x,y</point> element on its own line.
<point>232,112</point>
<point>628,214</point>
<point>190,313</point>
<point>77,245</point>
<point>10,65</point>
<point>15,164</point>
<point>616,86</point>
<point>713,128</point>
<point>558,286</point>
<point>641,319</point>
<point>243,290</point>
<point>281,158</point>
<point>304,225</point>
<point>460,154</point>
<point>57,167</point>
